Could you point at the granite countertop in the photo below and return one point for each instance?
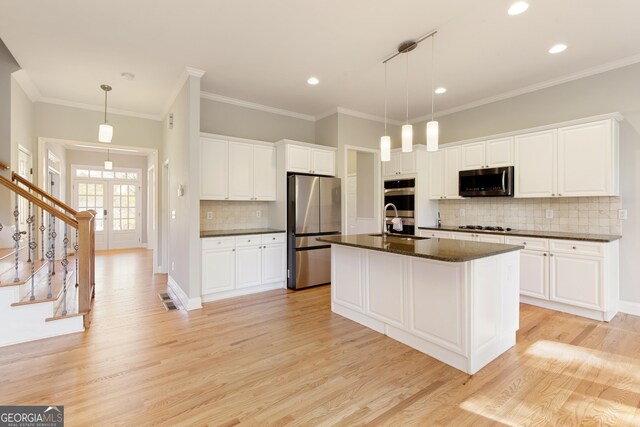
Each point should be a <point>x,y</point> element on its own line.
<point>239,232</point>
<point>602,238</point>
<point>438,249</point>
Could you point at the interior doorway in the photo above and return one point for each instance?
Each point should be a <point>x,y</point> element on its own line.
<point>25,169</point>
<point>363,208</point>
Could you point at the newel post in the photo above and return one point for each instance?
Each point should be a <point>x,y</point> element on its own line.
<point>93,253</point>
<point>85,262</point>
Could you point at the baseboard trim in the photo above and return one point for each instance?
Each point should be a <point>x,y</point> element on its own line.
<point>242,291</point>
<point>629,307</point>
<point>188,303</point>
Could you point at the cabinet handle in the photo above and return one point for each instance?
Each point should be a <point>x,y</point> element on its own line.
<point>553,194</point>
<point>524,243</point>
<point>545,254</point>
<point>550,254</point>
<point>233,250</point>
<point>559,194</point>
<point>226,198</point>
<point>575,247</point>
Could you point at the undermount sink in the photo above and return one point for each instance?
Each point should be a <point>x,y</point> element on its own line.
<point>398,237</point>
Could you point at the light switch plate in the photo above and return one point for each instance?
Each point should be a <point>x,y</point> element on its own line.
<point>173,214</point>
<point>622,214</point>
<point>258,214</point>
<point>209,215</point>
<point>549,213</point>
<point>462,212</point>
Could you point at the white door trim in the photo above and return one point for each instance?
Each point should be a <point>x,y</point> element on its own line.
<point>377,197</point>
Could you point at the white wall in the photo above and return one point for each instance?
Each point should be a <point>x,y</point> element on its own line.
<point>617,90</point>
<point>232,120</point>
<point>22,124</point>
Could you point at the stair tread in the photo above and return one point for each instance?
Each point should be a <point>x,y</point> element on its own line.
<point>41,285</point>
<point>24,273</point>
<point>72,306</point>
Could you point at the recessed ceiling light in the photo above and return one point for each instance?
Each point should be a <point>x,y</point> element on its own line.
<point>313,81</point>
<point>518,7</point>
<point>440,90</point>
<point>558,48</point>
<point>127,75</point>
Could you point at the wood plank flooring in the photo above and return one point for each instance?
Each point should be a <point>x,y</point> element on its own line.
<point>282,358</point>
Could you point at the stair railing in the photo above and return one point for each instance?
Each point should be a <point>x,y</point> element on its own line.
<point>84,247</point>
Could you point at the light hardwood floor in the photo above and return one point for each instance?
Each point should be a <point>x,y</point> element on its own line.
<point>282,358</point>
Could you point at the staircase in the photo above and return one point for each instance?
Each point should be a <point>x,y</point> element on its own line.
<point>46,289</point>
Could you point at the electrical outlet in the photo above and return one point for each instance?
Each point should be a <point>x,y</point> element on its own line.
<point>462,213</point>
<point>173,214</point>
<point>173,266</point>
<point>622,214</point>
<point>258,214</point>
<point>549,213</point>
<point>209,215</point>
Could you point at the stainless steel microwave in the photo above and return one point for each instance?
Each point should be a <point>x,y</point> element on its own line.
<point>489,182</point>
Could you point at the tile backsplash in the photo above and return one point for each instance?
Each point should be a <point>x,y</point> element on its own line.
<point>233,215</point>
<point>598,215</point>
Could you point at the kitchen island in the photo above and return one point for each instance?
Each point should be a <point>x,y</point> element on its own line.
<point>457,301</point>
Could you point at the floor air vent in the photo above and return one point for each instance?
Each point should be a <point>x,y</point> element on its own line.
<point>167,302</point>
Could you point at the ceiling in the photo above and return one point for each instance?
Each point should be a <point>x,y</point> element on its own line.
<point>264,51</point>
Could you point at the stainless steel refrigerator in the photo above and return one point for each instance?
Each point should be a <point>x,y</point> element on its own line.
<point>313,210</point>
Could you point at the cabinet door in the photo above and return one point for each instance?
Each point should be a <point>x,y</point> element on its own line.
<point>435,234</point>
<point>535,164</point>
<point>499,152</point>
<point>534,274</point>
<point>585,159</point>
<point>213,169</point>
<point>248,266</point>
<point>489,238</point>
<point>391,168</point>
<point>218,270</point>
<point>577,280</point>
<point>298,159</point>
<point>451,168</point>
<point>473,156</point>
<point>273,263</point>
<point>385,293</point>
<point>264,172</point>
<point>436,174</point>
<point>407,163</point>
<point>323,162</point>
<point>240,171</point>
<point>463,236</point>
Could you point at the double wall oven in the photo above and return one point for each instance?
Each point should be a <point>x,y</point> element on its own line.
<point>402,193</point>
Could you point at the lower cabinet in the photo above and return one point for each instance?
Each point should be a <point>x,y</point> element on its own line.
<point>236,265</point>
<point>386,293</point>
<point>534,274</point>
<point>577,280</point>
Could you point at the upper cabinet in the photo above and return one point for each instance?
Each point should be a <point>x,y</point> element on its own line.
<point>487,154</point>
<point>444,166</point>
<point>400,164</point>
<point>307,159</point>
<point>571,161</point>
<point>232,170</point>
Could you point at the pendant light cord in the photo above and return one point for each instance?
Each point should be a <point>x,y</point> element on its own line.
<point>407,87</point>
<point>385,98</point>
<point>433,73</point>
<point>105,106</point>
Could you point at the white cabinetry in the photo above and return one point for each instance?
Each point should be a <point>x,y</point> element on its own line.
<point>535,168</point>
<point>214,176</point>
<point>235,170</point>
<point>487,154</point>
<point>239,265</point>
<point>478,237</point>
<point>444,166</point>
<point>573,276</point>
<point>386,291</point>
<point>400,164</point>
<point>306,159</point>
<point>435,234</point>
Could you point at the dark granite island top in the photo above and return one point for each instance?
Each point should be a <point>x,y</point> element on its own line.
<point>238,232</point>
<point>559,235</point>
<point>438,249</point>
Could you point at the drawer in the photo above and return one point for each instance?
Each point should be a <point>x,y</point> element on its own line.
<point>273,238</point>
<point>435,234</point>
<point>577,247</point>
<point>249,240</point>
<point>529,243</point>
<point>218,243</point>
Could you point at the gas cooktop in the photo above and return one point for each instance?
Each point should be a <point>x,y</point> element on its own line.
<point>484,228</point>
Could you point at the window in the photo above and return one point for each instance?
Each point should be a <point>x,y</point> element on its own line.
<point>91,196</point>
<point>101,174</point>
<point>124,207</point>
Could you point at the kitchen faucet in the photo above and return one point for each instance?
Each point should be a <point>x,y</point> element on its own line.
<point>385,232</point>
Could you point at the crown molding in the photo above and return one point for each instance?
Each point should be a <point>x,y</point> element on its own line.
<point>252,105</point>
<point>100,108</point>
<point>27,85</point>
<point>186,73</point>
<point>535,87</point>
<point>366,116</point>
<point>195,72</point>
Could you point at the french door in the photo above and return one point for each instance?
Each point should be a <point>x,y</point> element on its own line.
<point>117,206</point>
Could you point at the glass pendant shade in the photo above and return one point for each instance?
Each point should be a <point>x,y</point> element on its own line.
<point>432,135</point>
<point>105,132</point>
<point>407,138</point>
<point>108,165</point>
<point>385,148</point>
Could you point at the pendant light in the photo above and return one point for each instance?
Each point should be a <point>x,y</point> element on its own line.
<point>385,141</point>
<point>108,164</point>
<point>407,129</point>
<point>105,132</point>
<point>433,128</point>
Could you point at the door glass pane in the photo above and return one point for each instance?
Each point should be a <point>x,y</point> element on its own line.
<point>124,211</point>
<point>87,200</point>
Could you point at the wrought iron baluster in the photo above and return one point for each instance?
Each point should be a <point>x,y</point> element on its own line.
<point>53,245</point>
<point>65,241</point>
<point>31,225</point>
<point>49,256</point>
<point>16,238</point>
<point>29,230</point>
<point>75,248</point>
<point>42,228</point>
